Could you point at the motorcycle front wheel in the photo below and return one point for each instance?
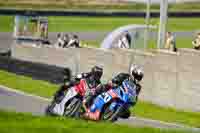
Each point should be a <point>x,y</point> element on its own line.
<point>111,115</point>
<point>73,107</point>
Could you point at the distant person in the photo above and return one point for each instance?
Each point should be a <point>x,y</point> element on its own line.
<point>74,42</point>
<point>170,42</point>
<point>46,30</point>
<point>125,41</point>
<point>60,41</point>
<point>196,42</point>
<point>66,40</point>
<point>42,30</point>
<point>128,37</point>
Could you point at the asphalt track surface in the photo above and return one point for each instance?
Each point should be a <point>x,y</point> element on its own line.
<point>14,100</point>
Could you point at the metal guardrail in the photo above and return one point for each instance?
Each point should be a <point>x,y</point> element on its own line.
<point>94,13</point>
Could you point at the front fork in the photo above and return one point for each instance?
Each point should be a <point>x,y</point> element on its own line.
<point>60,93</point>
<point>59,107</point>
<point>124,111</point>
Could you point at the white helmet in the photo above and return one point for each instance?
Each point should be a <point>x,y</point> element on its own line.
<point>136,72</point>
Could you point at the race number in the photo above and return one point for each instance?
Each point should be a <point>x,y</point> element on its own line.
<point>106,97</point>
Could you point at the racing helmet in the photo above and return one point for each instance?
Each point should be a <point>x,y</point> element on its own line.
<point>136,72</point>
<point>97,72</point>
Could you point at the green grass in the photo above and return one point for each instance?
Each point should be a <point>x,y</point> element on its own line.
<point>152,111</point>
<point>142,109</point>
<point>180,43</point>
<point>6,23</point>
<point>27,84</point>
<point>184,42</point>
<point>83,5</point>
<point>90,43</point>
<point>71,6</point>
<point>25,123</point>
<point>69,24</point>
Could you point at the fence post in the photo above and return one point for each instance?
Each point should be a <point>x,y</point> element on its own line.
<point>163,23</point>
<point>146,38</point>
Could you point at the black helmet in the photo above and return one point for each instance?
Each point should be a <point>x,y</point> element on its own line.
<point>97,72</point>
<point>67,74</point>
<point>136,72</point>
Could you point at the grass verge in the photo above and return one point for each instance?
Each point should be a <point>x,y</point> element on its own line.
<point>27,84</point>
<point>142,109</point>
<point>86,5</point>
<point>96,24</point>
<point>22,123</point>
<point>180,43</point>
<point>90,43</point>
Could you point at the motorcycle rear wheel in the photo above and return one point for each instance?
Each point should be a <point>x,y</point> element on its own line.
<point>48,110</point>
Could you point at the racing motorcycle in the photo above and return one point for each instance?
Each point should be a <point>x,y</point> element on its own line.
<point>70,102</point>
<point>112,103</point>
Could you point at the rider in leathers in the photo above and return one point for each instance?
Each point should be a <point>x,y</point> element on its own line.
<point>92,78</point>
<point>136,75</point>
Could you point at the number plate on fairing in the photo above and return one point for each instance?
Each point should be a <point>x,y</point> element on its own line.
<point>106,97</point>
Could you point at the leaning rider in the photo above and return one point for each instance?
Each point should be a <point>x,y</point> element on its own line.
<point>135,75</point>
<point>92,78</point>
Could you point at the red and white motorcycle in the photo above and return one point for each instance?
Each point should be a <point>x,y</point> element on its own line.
<point>71,101</point>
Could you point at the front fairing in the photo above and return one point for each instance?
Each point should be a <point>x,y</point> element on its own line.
<point>126,92</point>
<point>121,94</point>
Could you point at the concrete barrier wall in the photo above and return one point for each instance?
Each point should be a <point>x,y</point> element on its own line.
<point>188,79</point>
<point>170,79</point>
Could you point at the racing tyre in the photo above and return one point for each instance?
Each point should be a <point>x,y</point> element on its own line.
<point>73,107</point>
<point>48,110</point>
<point>109,115</point>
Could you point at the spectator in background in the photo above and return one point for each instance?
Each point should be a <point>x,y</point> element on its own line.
<point>42,30</point>
<point>125,41</point>
<point>74,42</point>
<point>60,41</point>
<point>196,42</point>
<point>128,38</point>
<point>66,40</point>
<point>170,42</point>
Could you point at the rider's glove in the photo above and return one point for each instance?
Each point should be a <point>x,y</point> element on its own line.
<point>92,92</point>
<point>79,76</point>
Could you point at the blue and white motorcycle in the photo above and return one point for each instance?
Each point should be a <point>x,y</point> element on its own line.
<point>111,104</point>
